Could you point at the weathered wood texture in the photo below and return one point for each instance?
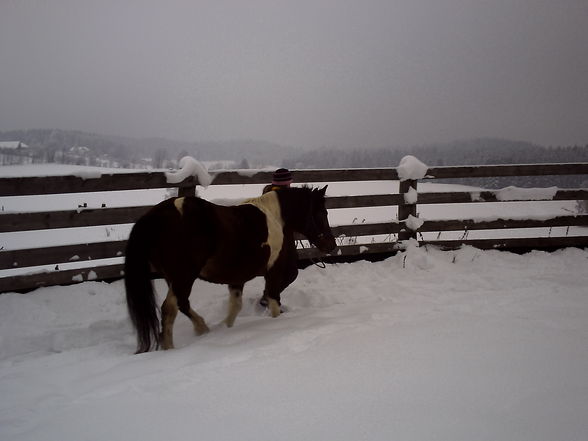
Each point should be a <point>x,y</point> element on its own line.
<point>11,222</point>
<point>493,196</point>
<point>69,219</point>
<point>62,254</point>
<point>144,180</point>
<point>501,224</point>
<point>512,244</point>
<point>391,231</point>
<point>75,184</point>
<point>491,171</point>
<point>60,277</point>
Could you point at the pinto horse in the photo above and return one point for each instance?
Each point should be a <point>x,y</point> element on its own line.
<point>187,238</point>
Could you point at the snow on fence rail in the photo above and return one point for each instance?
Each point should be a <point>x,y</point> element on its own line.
<point>407,225</point>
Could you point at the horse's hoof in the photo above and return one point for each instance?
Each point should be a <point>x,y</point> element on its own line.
<point>274,308</point>
<point>201,330</point>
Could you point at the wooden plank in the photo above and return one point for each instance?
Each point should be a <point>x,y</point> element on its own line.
<point>75,184</point>
<point>65,277</point>
<point>464,197</point>
<point>578,194</point>
<point>375,200</point>
<point>342,175</point>
<point>61,254</point>
<point>226,177</point>
<point>10,222</point>
<point>497,224</point>
<point>527,243</point>
<point>146,180</point>
<point>302,176</point>
<point>455,197</point>
<point>366,229</point>
<point>349,250</point>
<point>487,171</point>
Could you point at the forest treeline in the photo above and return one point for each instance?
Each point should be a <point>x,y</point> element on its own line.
<point>483,151</point>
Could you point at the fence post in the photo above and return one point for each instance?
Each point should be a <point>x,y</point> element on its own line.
<point>189,190</point>
<point>406,209</point>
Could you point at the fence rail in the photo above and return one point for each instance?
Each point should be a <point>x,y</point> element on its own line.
<point>395,230</point>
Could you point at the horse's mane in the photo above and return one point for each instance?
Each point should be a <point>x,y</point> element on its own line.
<point>305,187</point>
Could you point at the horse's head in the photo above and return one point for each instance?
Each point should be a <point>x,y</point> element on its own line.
<point>317,228</point>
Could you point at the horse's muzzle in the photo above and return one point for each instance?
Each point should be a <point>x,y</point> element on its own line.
<point>326,243</point>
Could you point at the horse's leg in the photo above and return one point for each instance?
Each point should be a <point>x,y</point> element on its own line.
<point>198,322</point>
<point>282,274</point>
<point>272,295</point>
<point>169,311</point>
<point>177,299</point>
<point>235,303</point>
<point>184,306</point>
<point>276,281</point>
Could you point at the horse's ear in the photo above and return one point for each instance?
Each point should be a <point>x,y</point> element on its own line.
<point>323,190</point>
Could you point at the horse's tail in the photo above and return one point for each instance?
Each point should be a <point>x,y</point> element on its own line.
<point>140,295</point>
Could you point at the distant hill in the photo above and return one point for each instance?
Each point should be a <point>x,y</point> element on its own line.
<point>54,145</point>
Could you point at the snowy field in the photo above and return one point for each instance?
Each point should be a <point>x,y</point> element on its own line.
<point>426,345</point>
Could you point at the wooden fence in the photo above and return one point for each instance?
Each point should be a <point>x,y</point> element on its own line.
<point>396,230</point>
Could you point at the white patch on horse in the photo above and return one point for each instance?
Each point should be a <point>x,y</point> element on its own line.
<point>235,305</point>
<point>274,307</point>
<point>179,203</point>
<point>269,205</point>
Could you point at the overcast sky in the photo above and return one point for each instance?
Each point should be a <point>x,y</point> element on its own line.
<point>312,73</point>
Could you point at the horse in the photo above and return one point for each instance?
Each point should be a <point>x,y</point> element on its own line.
<point>189,238</point>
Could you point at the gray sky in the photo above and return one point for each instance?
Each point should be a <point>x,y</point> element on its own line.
<point>307,73</point>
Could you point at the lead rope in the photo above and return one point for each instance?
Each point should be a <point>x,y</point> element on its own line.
<point>318,262</point>
<point>315,261</point>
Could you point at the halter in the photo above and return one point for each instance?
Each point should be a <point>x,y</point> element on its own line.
<point>311,227</point>
<point>317,261</point>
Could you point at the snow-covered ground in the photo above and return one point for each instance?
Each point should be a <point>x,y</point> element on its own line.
<point>427,345</point>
